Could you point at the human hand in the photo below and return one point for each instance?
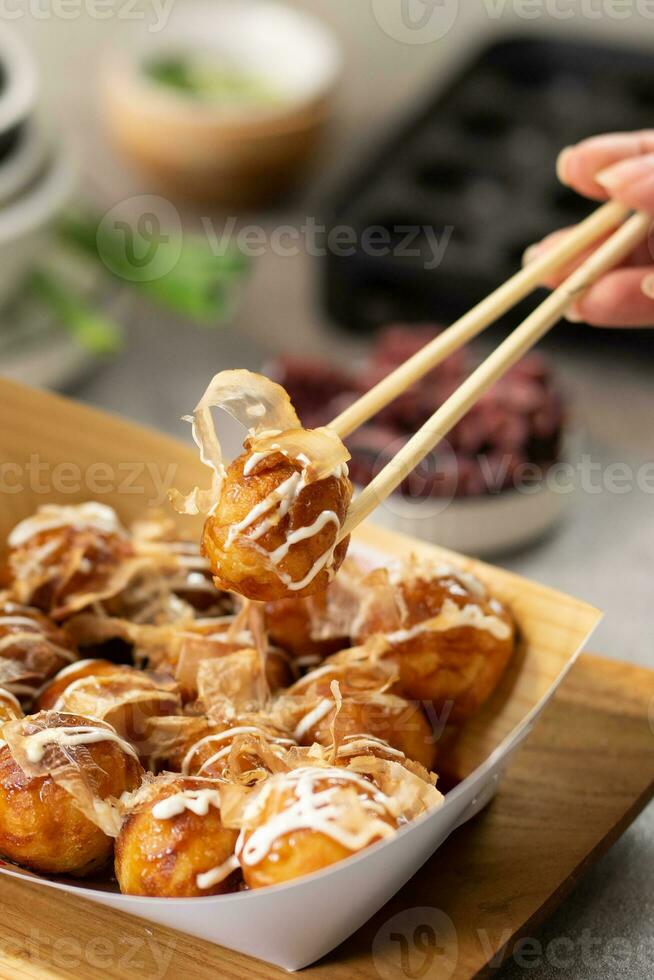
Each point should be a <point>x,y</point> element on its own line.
<point>618,166</point>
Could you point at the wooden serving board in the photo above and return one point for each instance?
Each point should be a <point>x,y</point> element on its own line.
<point>583,775</point>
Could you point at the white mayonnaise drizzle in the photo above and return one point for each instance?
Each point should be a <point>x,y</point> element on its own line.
<point>318,810</point>
<point>80,517</point>
<point>302,533</point>
<point>308,660</point>
<point>215,875</point>
<point>472,584</point>
<point>36,744</point>
<point>321,562</point>
<point>313,675</point>
<point>253,462</point>
<point>354,744</point>
<point>422,570</point>
<point>197,801</point>
<point>20,621</point>
<point>313,717</point>
<point>281,498</point>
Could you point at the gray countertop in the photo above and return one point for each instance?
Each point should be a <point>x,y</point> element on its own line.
<point>602,553</point>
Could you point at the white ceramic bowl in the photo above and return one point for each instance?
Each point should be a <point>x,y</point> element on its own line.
<point>484,526</point>
<point>233,153</point>
<point>19,91</point>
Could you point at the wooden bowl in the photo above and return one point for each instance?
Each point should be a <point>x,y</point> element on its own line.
<point>226,153</point>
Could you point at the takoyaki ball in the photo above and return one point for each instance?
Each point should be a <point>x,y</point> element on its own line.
<point>272,534</point>
<point>172,737</point>
<point>289,625</point>
<point>386,716</point>
<point>174,845</point>
<point>177,735</point>
<point>450,640</point>
<point>258,739</point>
<point>32,649</point>
<point>9,707</point>
<point>41,825</point>
<point>62,558</point>
<point>366,707</point>
<point>126,699</point>
<point>307,819</point>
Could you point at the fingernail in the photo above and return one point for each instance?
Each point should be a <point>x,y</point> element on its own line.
<point>561,164</point>
<point>573,315</point>
<point>529,254</point>
<point>647,286</point>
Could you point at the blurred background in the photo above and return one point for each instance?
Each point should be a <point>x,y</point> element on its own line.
<point>315,188</point>
<point>189,185</point>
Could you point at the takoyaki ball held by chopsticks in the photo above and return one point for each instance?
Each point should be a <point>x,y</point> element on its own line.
<point>59,774</point>
<point>274,515</point>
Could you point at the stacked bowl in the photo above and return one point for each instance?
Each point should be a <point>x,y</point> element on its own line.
<point>35,180</point>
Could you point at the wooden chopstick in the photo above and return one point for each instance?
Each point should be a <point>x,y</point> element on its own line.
<point>479,317</point>
<point>609,254</point>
